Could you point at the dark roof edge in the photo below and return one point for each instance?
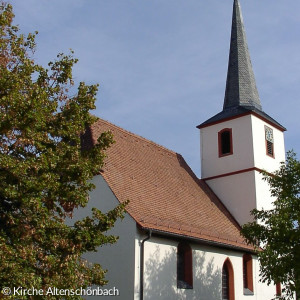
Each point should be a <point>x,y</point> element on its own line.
<point>222,117</point>
<point>171,235</point>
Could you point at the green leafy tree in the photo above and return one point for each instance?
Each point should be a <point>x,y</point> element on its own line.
<point>44,172</point>
<point>277,231</point>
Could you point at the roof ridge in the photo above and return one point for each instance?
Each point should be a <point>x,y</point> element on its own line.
<point>137,136</point>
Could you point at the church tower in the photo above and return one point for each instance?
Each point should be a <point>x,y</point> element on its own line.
<point>241,140</point>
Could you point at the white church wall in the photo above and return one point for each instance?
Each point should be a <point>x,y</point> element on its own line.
<point>263,194</point>
<point>265,162</point>
<point>160,264</point>
<point>118,258</point>
<point>242,157</point>
<point>241,191</point>
<point>265,291</point>
<point>238,193</point>
<point>160,279</point>
<point>261,160</point>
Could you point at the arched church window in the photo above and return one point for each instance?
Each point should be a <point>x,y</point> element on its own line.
<point>184,266</point>
<point>225,142</point>
<point>227,281</point>
<point>247,274</point>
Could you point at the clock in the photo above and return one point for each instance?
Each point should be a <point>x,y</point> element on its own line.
<point>269,134</point>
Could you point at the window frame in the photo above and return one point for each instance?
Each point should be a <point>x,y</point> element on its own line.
<point>228,266</point>
<point>248,274</point>
<point>278,289</point>
<point>184,266</point>
<point>220,142</point>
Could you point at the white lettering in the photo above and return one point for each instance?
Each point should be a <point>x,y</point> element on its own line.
<point>50,291</point>
<point>18,291</point>
<point>54,291</point>
<point>89,292</point>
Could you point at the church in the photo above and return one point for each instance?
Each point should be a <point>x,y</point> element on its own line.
<point>180,238</point>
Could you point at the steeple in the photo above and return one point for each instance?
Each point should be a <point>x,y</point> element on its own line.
<point>241,140</point>
<point>241,95</point>
<point>240,86</point>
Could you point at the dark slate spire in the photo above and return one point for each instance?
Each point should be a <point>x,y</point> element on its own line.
<point>241,95</point>
<point>240,86</point>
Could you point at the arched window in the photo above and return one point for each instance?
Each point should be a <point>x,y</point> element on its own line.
<point>247,274</point>
<point>225,142</point>
<point>227,281</point>
<point>184,266</point>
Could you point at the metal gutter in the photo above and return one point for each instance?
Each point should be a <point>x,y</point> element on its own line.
<point>197,240</point>
<point>142,264</point>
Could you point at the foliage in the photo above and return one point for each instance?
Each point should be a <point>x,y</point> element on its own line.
<point>277,230</point>
<point>44,172</point>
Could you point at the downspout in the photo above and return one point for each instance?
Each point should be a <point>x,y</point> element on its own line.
<point>142,265</point>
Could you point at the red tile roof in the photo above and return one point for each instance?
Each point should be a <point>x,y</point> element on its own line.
<point>164,194</point>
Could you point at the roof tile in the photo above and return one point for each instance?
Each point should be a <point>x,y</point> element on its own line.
<point>163,191</point>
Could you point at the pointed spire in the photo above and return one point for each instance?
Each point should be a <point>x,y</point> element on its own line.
<point>240,86</point>
<point>241,95</point>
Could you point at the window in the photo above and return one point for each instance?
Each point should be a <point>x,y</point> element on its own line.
<point>225,142</point>
<point>184,266</point>
<point>269,141</point>
<point>227,281</point>
<point>247,274</point>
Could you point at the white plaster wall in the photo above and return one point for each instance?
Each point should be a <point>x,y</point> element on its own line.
<point>161,273</point>
<point>241,193</point>
<point>242,157</point>
<point>238,193</point>
<point>118,258</point>
<point>249,148</point>
<point>264,199</point>
<point>245,191</point>
<point>262,291</point>
<point>261,160</point>
<point>265,162</point>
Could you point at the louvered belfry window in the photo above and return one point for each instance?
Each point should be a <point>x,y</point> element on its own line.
<point>269,141</point>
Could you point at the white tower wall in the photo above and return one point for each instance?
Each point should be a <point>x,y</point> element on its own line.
<point>236,178</point>
<point>261,160</point>
<point>242,157</point>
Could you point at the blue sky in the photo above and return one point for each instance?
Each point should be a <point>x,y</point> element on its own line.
<point>162,65</point>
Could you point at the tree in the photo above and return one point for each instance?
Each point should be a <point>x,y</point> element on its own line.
<point>44,172</point>
<point>277,231</point>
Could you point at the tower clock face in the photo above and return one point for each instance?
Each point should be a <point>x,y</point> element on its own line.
<point>269,134</point>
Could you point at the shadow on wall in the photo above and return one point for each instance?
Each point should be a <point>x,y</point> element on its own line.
<point>161,278</point>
